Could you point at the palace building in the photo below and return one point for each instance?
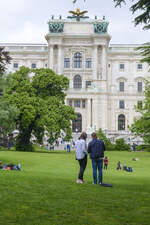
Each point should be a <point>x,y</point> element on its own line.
<point>106,81</point>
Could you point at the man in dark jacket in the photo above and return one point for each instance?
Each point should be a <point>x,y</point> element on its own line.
<point>96,149</point>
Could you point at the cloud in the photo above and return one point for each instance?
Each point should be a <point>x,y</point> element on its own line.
<point>28,33</point>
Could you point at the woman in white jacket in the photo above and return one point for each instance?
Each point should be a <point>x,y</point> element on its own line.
<point>81,155</point>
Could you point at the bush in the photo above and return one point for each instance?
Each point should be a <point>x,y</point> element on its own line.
<point>109,146</point>
<point>120,145</point>
<point>145,148</point>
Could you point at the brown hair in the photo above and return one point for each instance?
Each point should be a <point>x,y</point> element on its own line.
<point>83,135</point>
<point>94,135</point>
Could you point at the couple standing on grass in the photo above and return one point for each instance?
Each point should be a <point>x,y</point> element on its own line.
<point>96,150</point>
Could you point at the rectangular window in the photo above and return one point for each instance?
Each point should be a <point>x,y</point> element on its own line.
<point>121,66</point>
<point>139,66</point>
<point>70,102</point>
<point>33,66</point>
<point>88,83</point>
<point>66,63</point>
<point>15,65</point>
<point>139,86</point>
<point>121,104</point>
<point>139,104</point>
<point>77,103</point>
<point>88,63</point>
<point>83,103</point>
<point>121,86</point>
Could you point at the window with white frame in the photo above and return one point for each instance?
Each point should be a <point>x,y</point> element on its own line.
<point>77,103</point>
<point>70,102</point>
<point>77,60</point>
<point>16,65</point>
<point>88,63</point>
<point>139,66</point>
<point>121,104</point>
<point>77,82</point>
<point>33,65</point>
<point>66,63</point>
<point>121,86</point>
<point>139,86</point>
<point>121,66</point>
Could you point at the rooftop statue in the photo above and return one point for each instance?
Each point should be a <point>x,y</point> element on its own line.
<point>100,27</point>
<point>56,27</point>
<point>78,14</point>
<point>74,1</point>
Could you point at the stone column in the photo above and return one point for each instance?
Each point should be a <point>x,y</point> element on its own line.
<point>104,63</point>
<point>88,113</point>
<point>95,113</point>
<point>60,59</point>
<point>95,52</point>
<point>51,57</point>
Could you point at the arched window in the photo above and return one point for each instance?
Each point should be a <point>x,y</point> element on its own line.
<point>121,122</point>
<point>77,82</point>
<point>77,124</point>
<point>77,60</point>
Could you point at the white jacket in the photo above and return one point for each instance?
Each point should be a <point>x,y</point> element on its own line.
<point>80,147</point>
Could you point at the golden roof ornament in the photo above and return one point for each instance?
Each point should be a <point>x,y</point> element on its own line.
<point>78,14</point>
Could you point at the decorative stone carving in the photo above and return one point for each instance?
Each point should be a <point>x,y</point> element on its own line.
<point>100,27</point>
<point>56,27</point>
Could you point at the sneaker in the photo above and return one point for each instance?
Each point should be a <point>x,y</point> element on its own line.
<point>94,183</point>
<point>79,181</point>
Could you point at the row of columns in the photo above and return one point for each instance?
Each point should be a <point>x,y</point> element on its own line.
<point>94,114</point>
<point>95,60</point>
<point>59,58</point>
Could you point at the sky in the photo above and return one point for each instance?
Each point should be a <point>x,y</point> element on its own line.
<point>25,21</point>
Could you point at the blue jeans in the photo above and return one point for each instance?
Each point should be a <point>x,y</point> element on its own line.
<point>97,164</point>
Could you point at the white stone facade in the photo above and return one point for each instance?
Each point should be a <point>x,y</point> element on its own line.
<point>110,78</point>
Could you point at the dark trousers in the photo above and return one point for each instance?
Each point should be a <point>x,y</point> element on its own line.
<point>97,164</point>
<point>105,166</point>
<point>82,164</point>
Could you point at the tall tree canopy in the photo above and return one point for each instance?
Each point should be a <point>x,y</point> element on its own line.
<point>142,6</point>
<point>40,100</point>
<point>4,60</point>
<point>141,125</point>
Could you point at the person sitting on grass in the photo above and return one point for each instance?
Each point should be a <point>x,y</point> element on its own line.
<point>119,166</point>
<point>1,164</point>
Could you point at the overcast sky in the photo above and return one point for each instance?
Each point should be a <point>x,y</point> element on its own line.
<point>25,21</point>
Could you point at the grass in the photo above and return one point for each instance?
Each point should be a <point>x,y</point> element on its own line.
<point>45,192</point>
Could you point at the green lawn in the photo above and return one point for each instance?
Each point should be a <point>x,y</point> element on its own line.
<point>45,191</point>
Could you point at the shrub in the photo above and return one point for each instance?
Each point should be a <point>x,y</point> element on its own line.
<point>109,146</point>
<point>121,145</point>
<point>145,148</point>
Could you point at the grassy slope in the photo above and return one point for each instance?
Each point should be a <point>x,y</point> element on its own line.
<point>45,192</point>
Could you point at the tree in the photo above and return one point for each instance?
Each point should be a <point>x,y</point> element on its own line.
<point>121,145</point>
<point>40,100</point>
<point>4,60</point>
<point>142,6</point>
<point>8,116</point>
<point>141,126</point>
<point>109,146</point>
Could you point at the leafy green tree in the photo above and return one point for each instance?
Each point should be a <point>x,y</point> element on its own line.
<point>109,146</point>
<point>8,117</point>
<point>121,145</point>
<point>4,60</point>
<point>140,6</point>
<point>40,100</point>
<point>141,125</point>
